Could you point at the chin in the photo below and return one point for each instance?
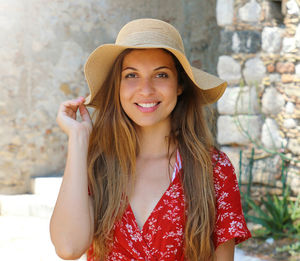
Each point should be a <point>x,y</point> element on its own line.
<point>151,123</point>
<point>145,124</point>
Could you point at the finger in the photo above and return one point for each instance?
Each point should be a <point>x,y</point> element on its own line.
<point>72,104</point>
<point>84,113</point>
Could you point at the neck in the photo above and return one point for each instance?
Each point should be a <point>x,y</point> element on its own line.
<point>154,141</point>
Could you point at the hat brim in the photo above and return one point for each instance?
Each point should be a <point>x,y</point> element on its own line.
<point>101,60</point>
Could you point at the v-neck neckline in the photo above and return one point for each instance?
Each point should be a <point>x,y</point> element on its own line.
<point>141,230</point>
<point>177,168</point>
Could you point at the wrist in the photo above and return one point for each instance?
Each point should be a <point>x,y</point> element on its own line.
<point>80,138</point>
<point>79,132</point>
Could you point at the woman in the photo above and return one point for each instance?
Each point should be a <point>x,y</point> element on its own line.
<point>144,181</point>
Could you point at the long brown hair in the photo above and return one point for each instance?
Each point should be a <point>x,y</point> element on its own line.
<point>112,157</point>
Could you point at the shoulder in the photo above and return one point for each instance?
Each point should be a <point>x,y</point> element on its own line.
<point>223,172</point>
<point>220,159</point>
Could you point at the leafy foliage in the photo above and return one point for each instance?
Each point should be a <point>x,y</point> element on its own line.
<point>295,214</point>
<point>293,249</point>
<point>276,218</point>
<point>278,215</point>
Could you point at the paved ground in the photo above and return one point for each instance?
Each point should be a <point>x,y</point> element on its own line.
<point>26,238</point>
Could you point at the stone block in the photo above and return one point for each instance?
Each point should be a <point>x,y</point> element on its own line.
<point>264,170</point>
<point>235,129</point>
<point>292,7</point>
<point>274,77</point>
<point>246,42</point>
<point>292,91</point>
<point>272,101</point>
<point>224,10</point>
<point>297,70</point>
<point>287,78</point>
<point>229,69</point>
<point>254,71</point>
<point>271,39</point>
<point>239,100</point>
<point>225,46</point>
<point>293,179</point>
<point>270,68</point>
<point>285,67</point>
<point>240,42</point>
<point>294,146</point>
<point>289,123</point>
<point>288,44</point>
<point>289,108</point>
<point>270,136</point>
<point>250,12</point>
<point>297,36</point>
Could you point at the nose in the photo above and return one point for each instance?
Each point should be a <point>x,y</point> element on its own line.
<point>146,87</point>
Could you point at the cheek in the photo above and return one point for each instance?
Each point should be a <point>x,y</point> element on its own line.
<point>125,94</point>
<point>176,91</point>
<point>122,98</point>
<point>172,91</point>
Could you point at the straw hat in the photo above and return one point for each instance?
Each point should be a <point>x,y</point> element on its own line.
<point>141,34</point>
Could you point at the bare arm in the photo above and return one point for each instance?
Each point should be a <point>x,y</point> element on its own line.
<point>225,251</point>
<point>72,225</point>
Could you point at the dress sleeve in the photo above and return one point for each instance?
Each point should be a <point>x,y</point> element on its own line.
<point>230,220</point>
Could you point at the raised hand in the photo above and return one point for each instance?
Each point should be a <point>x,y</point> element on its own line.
<point>66,117</point>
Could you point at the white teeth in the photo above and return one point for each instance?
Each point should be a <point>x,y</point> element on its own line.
<point>147,105</point>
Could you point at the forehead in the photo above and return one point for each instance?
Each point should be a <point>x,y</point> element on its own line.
<point>144,56</point>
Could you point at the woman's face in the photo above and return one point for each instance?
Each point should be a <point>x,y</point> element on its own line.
<point>149,87</point>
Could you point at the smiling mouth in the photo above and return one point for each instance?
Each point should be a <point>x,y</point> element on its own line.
<point>148,105</point>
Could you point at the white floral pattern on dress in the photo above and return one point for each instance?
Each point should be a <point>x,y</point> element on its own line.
<point>230,221</point>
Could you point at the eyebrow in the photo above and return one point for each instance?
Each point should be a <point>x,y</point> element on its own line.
<point>162,67</point>
<point>156,69</point>
<point>129,68</point>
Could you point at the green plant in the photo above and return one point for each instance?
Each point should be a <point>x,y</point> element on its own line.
<point>295,214</point>
<point>293,249</point>
<point>276,218</point>
<point>248,169</point>
<point>278,215</point>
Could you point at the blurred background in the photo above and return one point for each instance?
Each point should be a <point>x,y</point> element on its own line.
<point>252,44</point>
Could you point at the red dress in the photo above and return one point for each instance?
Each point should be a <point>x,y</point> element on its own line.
<point>162,235</point>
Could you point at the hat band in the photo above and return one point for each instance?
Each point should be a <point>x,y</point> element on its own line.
<point>150,38</point>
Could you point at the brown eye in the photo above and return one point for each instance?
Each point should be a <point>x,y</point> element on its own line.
<point>130,75</point>
<point>162,75</point>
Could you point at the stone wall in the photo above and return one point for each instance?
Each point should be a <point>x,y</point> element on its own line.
<point>253,44</point>
<point>44,45</point>
<point>260,46</point>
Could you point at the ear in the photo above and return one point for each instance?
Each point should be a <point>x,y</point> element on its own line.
<point>179,90</point>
